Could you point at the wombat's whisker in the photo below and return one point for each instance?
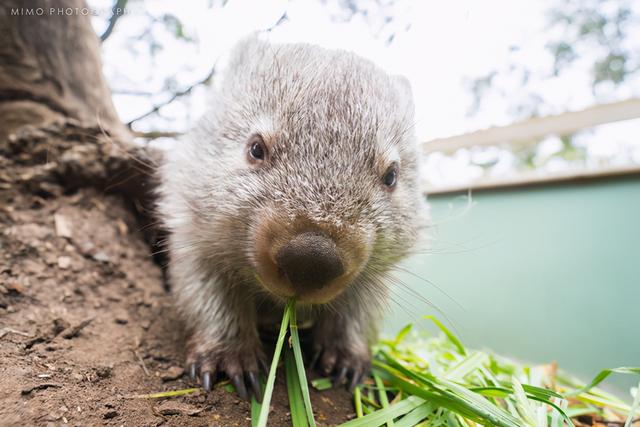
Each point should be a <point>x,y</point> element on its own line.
<point>453,215</point>
<point>408,304</point>
<point>408,289</point>
<point>398,299</point>
<point>429,282</point>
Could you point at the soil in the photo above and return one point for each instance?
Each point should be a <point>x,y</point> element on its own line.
<point>85,321</point>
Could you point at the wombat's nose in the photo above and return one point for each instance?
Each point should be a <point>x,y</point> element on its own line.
<point>310,261</point>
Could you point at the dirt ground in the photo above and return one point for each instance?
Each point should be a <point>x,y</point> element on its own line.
<point>85,323</point>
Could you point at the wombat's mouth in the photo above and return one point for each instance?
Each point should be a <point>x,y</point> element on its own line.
<point>308,261</point>
<point>284,288</point>
<point>312,274</point>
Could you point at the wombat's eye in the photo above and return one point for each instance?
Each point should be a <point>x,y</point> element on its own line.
<point>257,149</point>
<point>390,176</point>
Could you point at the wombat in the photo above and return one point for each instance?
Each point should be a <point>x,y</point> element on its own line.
<point>301,181</point>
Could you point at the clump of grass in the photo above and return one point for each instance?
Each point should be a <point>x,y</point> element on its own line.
<point>437,381</point>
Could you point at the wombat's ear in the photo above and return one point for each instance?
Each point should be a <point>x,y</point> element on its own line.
<point>403,87</point>
<point>247,52</point>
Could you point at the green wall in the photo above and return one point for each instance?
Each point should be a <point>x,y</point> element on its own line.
<point>538,273</point>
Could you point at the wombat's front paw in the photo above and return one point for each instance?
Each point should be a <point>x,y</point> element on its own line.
<point>239,362</point>
<point>342,358</point>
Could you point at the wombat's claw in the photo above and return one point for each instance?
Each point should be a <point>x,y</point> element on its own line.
<point>255,385</point>
<point>355,380</point>
<point>206,381</point>
<point>343,364</point>
<point>241,367</point>
<point>264,366</point>
<point>238,384</point>
<point>250,379</point>
<point>352,377</point>
<point>340,377</point>
<point>314,359</point>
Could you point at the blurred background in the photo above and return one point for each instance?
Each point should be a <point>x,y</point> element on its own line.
<point>528,114</point>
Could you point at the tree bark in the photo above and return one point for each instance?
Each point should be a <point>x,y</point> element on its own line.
<point>50,68</point>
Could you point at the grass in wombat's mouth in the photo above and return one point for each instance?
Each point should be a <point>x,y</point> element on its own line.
<point>296,379</point>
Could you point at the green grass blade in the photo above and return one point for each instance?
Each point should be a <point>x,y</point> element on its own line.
<point>454,340</point>
<point>296,401</point>
<point>602,376</point>
<point>416,416</point>
<point>367,409</point>
<point>459,400</point>
<point>369,401</point>
<point>385,415</point>
<point>357,402</point>
<point>255,411</point>
<point>534,393</point>
<point>382,395</point>
<point>397,366</point>
<point>598,401</point>
<point>302,374</point>
<point>321,384</point>
<point>524,407</point>
<point>402,334</point>
<point>481,406</point>
<point>164,394</point>
<point>465,366</point>
<point>562,413</point>
<point>500,392</point>
<point>540,392</point>
<point>268,391</point>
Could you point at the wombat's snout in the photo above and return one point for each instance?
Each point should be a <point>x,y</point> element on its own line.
<point>310,261</point>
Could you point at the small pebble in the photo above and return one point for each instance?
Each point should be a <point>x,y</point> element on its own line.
<point>64,262</point>
<point>101,256</point>
<point>62,225</point>
<point>110,414</point>
<point>145,324</point>
<point>169,407</point>
<point>173,373</point>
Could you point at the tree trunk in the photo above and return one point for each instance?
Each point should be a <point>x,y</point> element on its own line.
<point>50,68</point>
